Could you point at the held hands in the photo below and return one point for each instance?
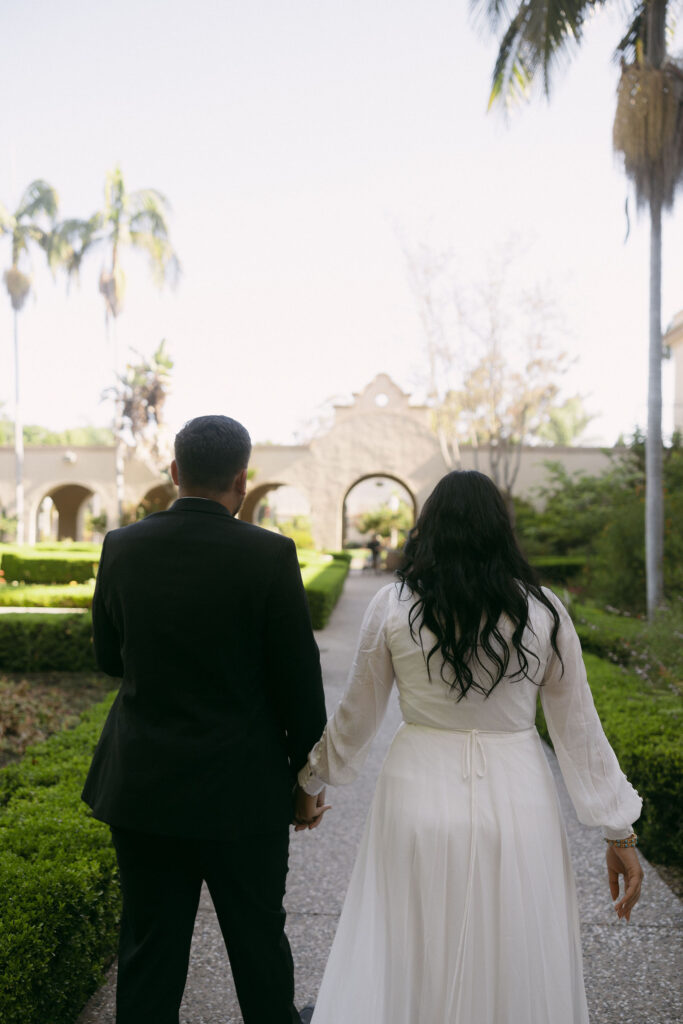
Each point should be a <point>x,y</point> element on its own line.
<point>308,810</point>
<point>624,861</point>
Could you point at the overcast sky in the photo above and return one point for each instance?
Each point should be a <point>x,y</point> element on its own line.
<point>301,143</point>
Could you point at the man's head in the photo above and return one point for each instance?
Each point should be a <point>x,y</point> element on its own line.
<point>211,457</point>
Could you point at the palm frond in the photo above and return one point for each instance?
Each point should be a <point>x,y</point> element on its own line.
<point>38,198</point>
<point>7,222</point>
<point>539,36</point>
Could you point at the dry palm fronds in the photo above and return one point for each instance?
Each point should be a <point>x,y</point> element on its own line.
<point>18,286</point>
<point>648,129</point>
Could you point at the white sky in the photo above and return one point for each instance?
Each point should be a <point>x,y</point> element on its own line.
<point>298,140</point>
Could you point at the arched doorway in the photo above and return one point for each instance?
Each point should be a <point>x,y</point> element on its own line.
<point>280,507</point>
<point>378,504</point>
<point>159,498</point>
<point>62,512</point>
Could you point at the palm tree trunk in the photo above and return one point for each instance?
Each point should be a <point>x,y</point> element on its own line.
<point>654,488</point>
<point>654,499</point>
<point>18,439</point>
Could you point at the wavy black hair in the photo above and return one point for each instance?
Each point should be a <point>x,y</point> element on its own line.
<point>463,565</point>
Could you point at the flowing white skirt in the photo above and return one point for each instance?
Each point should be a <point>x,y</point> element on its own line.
<point>461,907</point>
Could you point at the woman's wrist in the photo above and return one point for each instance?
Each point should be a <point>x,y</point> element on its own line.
<point>622,844</point>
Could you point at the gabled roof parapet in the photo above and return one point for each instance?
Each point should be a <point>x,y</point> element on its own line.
<point>381,396</point>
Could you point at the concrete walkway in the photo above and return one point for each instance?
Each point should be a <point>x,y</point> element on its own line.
<point>632,970</point>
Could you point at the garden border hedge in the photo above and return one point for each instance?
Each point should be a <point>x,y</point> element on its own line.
<point>59,894</point>
<point>39,595</point>
<point>45,642</point>
<point>45,567</point>
<point>323,587</point>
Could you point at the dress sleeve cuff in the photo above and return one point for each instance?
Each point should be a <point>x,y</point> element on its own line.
<point>310,783</point>
<point>617,833</point>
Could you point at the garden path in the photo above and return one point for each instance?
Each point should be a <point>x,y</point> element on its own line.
<point>632,970</point>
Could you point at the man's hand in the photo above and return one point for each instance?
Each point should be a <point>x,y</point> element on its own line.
<point>624,861</point>
<point>308,810</point>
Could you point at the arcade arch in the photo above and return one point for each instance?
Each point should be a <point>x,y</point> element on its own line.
<point>61,512</point>
<point>280,506</point>
<point>159,498</point>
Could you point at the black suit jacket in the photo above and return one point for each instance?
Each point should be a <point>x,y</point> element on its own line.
<point>205,618</point>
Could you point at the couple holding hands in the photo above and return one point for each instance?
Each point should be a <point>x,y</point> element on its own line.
<point>461,907</point>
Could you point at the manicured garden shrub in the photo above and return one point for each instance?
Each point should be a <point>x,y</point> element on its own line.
<point>59,895</point>
<point>35,642</point>
<point>323,588</point>
<point>49,567</point>
<point>341,556</point>
<point>554,569</point>
<point>30,595</point>
<point>643,725</point>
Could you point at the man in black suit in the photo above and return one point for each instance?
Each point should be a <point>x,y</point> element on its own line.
<point>205,618</point>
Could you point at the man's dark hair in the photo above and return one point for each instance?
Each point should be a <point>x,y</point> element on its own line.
<point>210,451</point>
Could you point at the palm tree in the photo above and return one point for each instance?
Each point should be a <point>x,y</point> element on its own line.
<point>135,220</point>
<point>30,224</point>
<point>648,132</point>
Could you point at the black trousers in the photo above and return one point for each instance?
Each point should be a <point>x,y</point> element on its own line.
<point>161,880</point>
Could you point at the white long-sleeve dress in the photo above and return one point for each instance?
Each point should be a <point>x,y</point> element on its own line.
<point>461,907</point>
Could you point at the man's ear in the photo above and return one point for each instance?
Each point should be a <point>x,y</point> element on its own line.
<point>174,472</point>
<point>241,482</point>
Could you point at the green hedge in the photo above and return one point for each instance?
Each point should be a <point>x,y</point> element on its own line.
<point>644,727</point>
<point>341,556</point>
<point>323,589</point>
<point>559,568</point>
<point>29,595</point>
<point>35,642</point>
<point>46,567</point>
<point>59,894</point>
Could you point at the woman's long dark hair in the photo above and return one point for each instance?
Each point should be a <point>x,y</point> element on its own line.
<point>464,567</point>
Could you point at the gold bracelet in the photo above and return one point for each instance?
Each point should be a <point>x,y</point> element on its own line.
<point>624,844</point>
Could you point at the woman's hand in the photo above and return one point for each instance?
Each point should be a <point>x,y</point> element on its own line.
<point>308,810</point>
<point>624,861</point>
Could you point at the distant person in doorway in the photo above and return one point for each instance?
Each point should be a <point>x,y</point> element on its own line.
<point>375,545</point>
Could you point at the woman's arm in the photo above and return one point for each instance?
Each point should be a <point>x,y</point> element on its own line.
<point>599,790</point>
<point>339,755</point>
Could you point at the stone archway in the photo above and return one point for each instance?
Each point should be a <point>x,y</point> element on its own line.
<point>395,492</point>
<point>254,498</point>
<point>61,510</point>
<point>159,498</point>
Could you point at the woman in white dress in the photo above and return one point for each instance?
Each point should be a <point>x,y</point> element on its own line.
<point>461,907</point>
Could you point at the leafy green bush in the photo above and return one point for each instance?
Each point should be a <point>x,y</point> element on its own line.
<point>603,517</point>
<point>341,556</point>
<point>49,567</point>
<point>22,595</point>
<point>559,568</point>
<point>643,725</point>
<point>59,895</point>
<point>323,588</point>
<point>35,642</point>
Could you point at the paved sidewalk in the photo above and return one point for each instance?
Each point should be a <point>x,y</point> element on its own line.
<point>632,970</point>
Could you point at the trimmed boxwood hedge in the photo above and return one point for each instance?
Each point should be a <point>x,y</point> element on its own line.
<point>323,588</point>
<point>44,642</point>
<point>59,894</point>
<point>32,595</point>
<point>644,727</point>
<point>558,568</point>
<point>48,567</point>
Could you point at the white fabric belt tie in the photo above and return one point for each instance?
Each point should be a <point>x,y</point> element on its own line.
<point>473,756</point>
